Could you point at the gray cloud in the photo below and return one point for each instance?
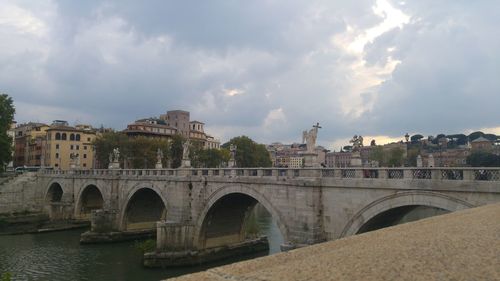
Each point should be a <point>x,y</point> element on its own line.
<point>268,69</point>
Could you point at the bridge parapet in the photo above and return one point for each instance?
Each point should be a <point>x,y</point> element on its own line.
<point>440,173</point>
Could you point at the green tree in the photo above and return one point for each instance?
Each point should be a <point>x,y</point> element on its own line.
<point>475,135</point>
<point>388,158</point>
<point>416,138</point>
<point>196,152</point>
<point>411,157</point>
<point>7,111</point>
<point>490,137</point>
<point>249,153</point>
<point>213,158</point>
<point>483,159</point>
<point>104,145</point>
<point>377,154</point>
<point>396,158</point>
<point>176,150</point>
<point>136,152</point>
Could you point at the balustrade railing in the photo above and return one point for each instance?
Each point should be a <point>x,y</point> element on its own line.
<point>444,173</point>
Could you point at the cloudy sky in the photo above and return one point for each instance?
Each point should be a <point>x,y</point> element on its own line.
<point>266,69</point>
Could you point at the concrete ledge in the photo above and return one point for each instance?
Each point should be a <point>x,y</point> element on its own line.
<point>464,245</point>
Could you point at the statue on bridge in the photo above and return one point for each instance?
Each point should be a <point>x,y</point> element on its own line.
<point>74,160</point>
<point>310,138</point>
<point>185,149</point>
<point>185,163</point>
<point>357,142</point>
<point>232,159</point>
<point>114,159</point>
<point>159,156</point>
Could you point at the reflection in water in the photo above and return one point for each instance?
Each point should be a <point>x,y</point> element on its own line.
<point>59,256</point>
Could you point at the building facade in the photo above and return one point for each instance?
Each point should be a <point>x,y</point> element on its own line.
<point>69,147</point>
<point>150,127</point>
<point>28,144</point>
<point>178,119</point>
<point>172,123</point>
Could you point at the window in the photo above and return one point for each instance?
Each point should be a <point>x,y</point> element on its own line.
<point>84,147</point>
<point>56,165</point>
<point>63,136</point>
<point>88,139</point>
<point>58,136</point>
<point>57,146</point>
<point>71,147</point>
<point>72,137</point>
<point>77,147</point>
<point>77,137</point>
<point>84,164</point>
<point>84,156</point>
<point>57,156</point>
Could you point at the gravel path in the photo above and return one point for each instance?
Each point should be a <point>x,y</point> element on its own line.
<point>464,245</point>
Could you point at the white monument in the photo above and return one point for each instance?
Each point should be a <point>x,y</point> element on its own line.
<point>232,160</point>
<point>114,159</point>
<point>430,161</point>
<point>159,156</point>
<point>309,138</point>
<point>186,163</point>
<point>419,161</point>
<point>74,161</point>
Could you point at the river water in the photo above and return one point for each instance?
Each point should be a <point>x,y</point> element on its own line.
<point>59,256</point>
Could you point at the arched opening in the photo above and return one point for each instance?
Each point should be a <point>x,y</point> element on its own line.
<point>58,136</point>
<point>63,136</point>
<point>90,199</point>
<point>72,137</point>
<point>143,210</point>
<point>237,217</point>
<point>55,193</point>
<point>400,215</point>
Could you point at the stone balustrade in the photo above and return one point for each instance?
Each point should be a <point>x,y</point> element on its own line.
<point>403,173</point>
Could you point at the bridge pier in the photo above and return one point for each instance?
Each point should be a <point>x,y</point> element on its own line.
<point>175,247</point>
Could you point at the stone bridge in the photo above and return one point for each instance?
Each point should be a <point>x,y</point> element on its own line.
<point>211,205</point>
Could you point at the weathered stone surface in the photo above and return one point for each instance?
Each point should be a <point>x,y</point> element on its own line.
<point>309,205</point>
<point>189,258</point>
<point>464,245</point>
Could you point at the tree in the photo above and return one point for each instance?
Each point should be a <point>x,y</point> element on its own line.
<point>213,158</point>
<point>396,158</point>
<point>483,159</point>
<point>249,153</point>
<point>490,137</point>
<point>388,158</point>
<point>136,152</point>
<point>459,139</point>
<point>416,138</point>
<point>475,135</point>
<point>411,157</point>
<point>105,144</point>
<point>176,151</point>
<point>377,154</point>
<point>7,111</point>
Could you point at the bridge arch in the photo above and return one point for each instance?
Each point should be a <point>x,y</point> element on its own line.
<point>144,206</point>
<point>398,202</point>
<point>246,197</point>
<point>90,197</point>
<point>54,193</point>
